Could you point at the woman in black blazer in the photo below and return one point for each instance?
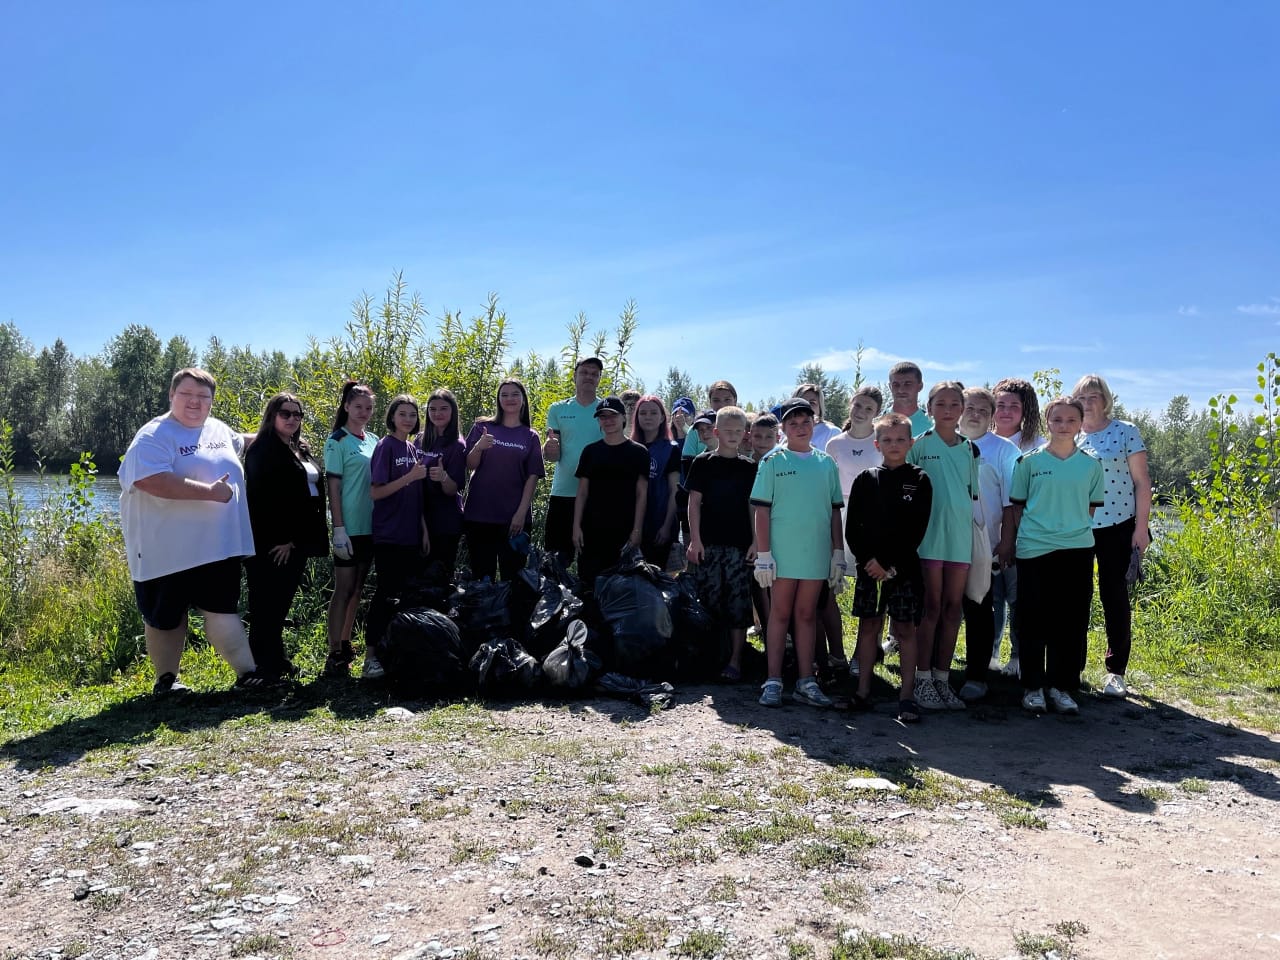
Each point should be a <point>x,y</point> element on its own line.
<point>285,489</point>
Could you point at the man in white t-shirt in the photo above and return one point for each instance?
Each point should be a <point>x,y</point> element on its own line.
<point>186,528</point>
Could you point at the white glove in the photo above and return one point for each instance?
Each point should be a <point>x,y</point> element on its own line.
<point>341,543</point>
<point>766,570</point>
<point>836,574</point>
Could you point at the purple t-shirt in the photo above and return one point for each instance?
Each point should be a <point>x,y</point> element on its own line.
<point>395,518</point>
<point>444,513</point>
<point>497,484</point>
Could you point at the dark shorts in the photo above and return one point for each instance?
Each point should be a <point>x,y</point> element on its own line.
<point>724,579</point>
<point>558,527</point>
<point>211,587</point>
<point>361,552</point>
<point>901,598</point>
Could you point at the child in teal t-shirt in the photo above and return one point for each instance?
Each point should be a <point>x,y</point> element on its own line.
<point>951,462</point>
<point>798,500</point>
<point>1055,492</point>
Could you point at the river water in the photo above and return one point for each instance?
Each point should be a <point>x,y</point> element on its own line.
<point>33,489</point>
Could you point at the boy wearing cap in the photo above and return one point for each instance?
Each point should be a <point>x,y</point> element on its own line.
<point>799,543</point>
<point>571,425</point>
<point>720,545</point>
<point>613,485</point>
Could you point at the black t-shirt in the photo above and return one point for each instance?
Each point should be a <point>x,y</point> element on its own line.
<point>725,484</point>
<point>612,471</point>
<point>887,517</point>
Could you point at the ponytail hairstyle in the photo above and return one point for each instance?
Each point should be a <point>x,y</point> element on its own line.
<point>664,428</point>
<point>866,390</point>
<point>349,389</point>
<point>450,434</point>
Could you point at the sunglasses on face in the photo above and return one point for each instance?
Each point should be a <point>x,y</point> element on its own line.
<point>290,414</point>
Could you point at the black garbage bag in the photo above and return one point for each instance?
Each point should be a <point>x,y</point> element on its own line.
<point>422,654</point>
<point>635,610</point>
<point>543,604</point>
<point>701,642</point>
<point>572,665</point>
<point>482,611</point>
<point>504,668</point>
<point>637,691</point>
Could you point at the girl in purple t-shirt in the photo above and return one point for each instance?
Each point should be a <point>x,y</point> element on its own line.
<point>396,473</point>
<point>446,458</point>
<point>504,455</point>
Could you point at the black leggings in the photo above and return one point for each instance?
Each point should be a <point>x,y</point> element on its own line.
<point>489,545</point>
<point>272,588</point>
<point>1053,617</point>
<point>1112,547</point>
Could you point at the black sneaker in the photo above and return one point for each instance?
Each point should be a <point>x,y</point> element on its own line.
<point>168,683</point>
<point>336,667</point>
<point>253,680</point>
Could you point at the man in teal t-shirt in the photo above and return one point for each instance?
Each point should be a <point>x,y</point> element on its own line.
<point>571,425</point>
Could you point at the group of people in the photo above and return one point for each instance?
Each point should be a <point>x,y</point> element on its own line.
<point>964,510</point>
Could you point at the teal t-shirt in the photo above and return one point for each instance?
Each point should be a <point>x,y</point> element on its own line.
<point>1055,496</point>
<point>348,456</point>
<point>920,422</point>
<point>577,426</point>
<point>800,491</point>
<point>953,473</point>
<point>693,444</point>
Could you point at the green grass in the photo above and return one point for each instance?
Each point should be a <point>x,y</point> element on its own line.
<point>870,946</point>
<point>701,944</point>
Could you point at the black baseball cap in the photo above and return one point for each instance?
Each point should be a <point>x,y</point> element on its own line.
<point>795,405</point>
<point>611,405</point>
<point>706,416</point>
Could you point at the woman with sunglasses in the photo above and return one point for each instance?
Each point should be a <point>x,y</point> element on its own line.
<point>284,488</point>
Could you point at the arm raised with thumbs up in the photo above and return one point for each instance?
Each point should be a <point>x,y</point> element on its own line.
<point>478,446</point>
<point>170,486</point>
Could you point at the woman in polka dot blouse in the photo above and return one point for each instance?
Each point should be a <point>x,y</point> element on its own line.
<point>1120,525</point>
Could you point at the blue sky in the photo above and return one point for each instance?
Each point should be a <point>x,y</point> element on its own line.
<point>988,189</point>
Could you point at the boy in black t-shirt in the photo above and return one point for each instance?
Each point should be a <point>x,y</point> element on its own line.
<point>888,514</point>
<point>613,486</point>
<point>721,539</point>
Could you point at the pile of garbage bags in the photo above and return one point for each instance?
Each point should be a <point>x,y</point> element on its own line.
<point>635,630</point>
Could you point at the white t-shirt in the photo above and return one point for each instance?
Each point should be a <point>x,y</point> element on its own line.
<point>995,479</point>
<point>823,433</point>
<point>165,536</point>
<point>852,456</point>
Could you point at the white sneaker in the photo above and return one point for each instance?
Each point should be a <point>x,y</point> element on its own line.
<point>808,691</point>
<point>890,644</point>
<point>948,696</point>
<point>372,669</point>
<point>973,690</point>
<point>1012,668</point>
<point>1033,700</point>
<point>1062,702</point>
<point>1115,687</point>
<point>927,694</point>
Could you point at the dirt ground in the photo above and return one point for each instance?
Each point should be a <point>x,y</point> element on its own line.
<point>324,826</point>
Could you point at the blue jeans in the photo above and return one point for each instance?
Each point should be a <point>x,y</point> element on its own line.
<point>1004,590</point>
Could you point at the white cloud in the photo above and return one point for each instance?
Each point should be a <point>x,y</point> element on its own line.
<point>1269,309</point>
<point>1189,310</point>
<point>874,360</point>
<point>1094,347</point>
